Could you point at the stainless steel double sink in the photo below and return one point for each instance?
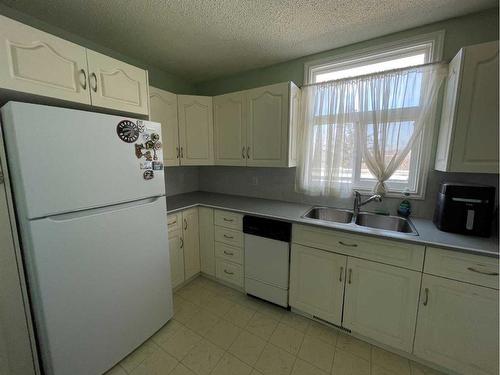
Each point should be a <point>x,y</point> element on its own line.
<point>363,219</point>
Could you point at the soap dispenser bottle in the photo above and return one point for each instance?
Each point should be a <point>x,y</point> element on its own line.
<point>404,208</point>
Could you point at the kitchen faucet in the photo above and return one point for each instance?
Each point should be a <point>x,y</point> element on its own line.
<point>358,203</point>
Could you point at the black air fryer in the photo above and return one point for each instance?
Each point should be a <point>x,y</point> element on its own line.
<point>465,209</point>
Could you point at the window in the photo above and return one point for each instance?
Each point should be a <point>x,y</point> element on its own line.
<point>411,173</point>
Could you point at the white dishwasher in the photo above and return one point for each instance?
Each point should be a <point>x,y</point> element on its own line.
<point>267,258</point>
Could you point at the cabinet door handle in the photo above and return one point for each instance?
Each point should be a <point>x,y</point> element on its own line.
<point>92,75</point>
<point>230,220</point>
<point>426,296</point>
<point>243,152</point>
<point>84,84</point>
<point>228,253</point>
<point>229,273</point>
<point>229,237</point>
<point>173,222</point>
<point>248,152</point>
<point>185,224</point>
<point>182,152</point>
<point>350,276</point>
<point>482,272</point>
<point>182,242</point>
<point>178,152</point>
<point>348,244</point>
<point>341,273</point>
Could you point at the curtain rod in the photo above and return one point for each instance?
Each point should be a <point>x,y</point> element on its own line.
<point>376,73</point>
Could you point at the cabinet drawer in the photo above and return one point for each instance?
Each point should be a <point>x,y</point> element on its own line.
<point>227,252</point>
<point>385,251</point>
<point>174,222</point>
<point>229,236</point>
<point>231,220</point>
<point>230,272</point>
<point>474,269</point>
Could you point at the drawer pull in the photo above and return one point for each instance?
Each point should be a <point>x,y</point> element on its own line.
<point>341,273</point>
<point>228,253</point>
<point>228,272</point>
<point>426,296</point>
<point>228,237</point>
<point>348,244</point>
<point>229,220</point>
<point>482,272</point>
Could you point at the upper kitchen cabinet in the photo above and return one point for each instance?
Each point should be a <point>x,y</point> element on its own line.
<point>195,130</point>
<point>164,110</point>
<point>230,136</point>
<point>271,125</point>
<point>468,136</point>
<point>38,63</point>
<point>35,62</point>
<point>117,85</point>
<point>257,127</point>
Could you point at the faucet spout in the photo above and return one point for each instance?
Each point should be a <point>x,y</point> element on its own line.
<point>358,203</point>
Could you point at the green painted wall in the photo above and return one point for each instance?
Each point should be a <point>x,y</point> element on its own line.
<point>462,31</point>
<point>157,77</point>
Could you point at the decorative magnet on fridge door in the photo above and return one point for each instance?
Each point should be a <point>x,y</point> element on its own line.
<point>149,145</point>
<point>155,137</point>
<point>148,175</point>
<point>140,126</point>
<point>148,156</point>
<point>127,131</point>
<point>157,145</point>
<point>157,165</point>
<point>138,150</point>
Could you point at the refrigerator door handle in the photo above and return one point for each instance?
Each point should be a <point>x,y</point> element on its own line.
<point>101,210</point>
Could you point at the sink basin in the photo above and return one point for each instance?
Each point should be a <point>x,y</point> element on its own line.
<point>329,214</point>
<point>392,223</point>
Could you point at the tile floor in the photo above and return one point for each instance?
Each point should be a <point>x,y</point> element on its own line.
<point>219,331</point>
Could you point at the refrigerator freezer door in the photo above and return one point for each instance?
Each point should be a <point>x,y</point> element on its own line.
<point>64,160</point>
<point>100,286</point>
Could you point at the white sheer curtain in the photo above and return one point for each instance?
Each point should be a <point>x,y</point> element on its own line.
<point>373,119</point>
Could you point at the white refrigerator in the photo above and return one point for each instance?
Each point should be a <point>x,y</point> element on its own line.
<point>90,201</point>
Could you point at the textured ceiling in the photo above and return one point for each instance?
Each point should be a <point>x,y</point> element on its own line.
<point>205,39</point>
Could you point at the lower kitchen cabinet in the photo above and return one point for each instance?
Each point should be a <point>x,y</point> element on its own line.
<point>191,242</point>
<point>317,282</point>
<point>457,326</point>
<point>381,302</point>
<point>207,250</point>
<point>176,258</point>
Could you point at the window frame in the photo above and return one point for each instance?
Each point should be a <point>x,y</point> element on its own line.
<point>432,43</point>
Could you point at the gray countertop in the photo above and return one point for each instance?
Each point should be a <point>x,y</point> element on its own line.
<point>428,233</point>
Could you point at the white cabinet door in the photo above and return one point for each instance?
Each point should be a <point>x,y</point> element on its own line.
<point>317,282</point>
<point>191,242</point>
<point>469,135</point>
<point>196,130</point>
<point>267,125</point>
<point>117,85</point>
<point>35,62</point>
<point>381,302</point>
<point>207,242</point>
<point>457,326</point>
<point>164,110</point>
<point>230,129</point>
<point>176,257</point>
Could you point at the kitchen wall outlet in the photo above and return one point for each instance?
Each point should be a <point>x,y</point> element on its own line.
<point>255,180</point>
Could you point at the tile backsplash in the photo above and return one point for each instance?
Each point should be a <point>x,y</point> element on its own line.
<point>279,184</point>
<point>180,180</point>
